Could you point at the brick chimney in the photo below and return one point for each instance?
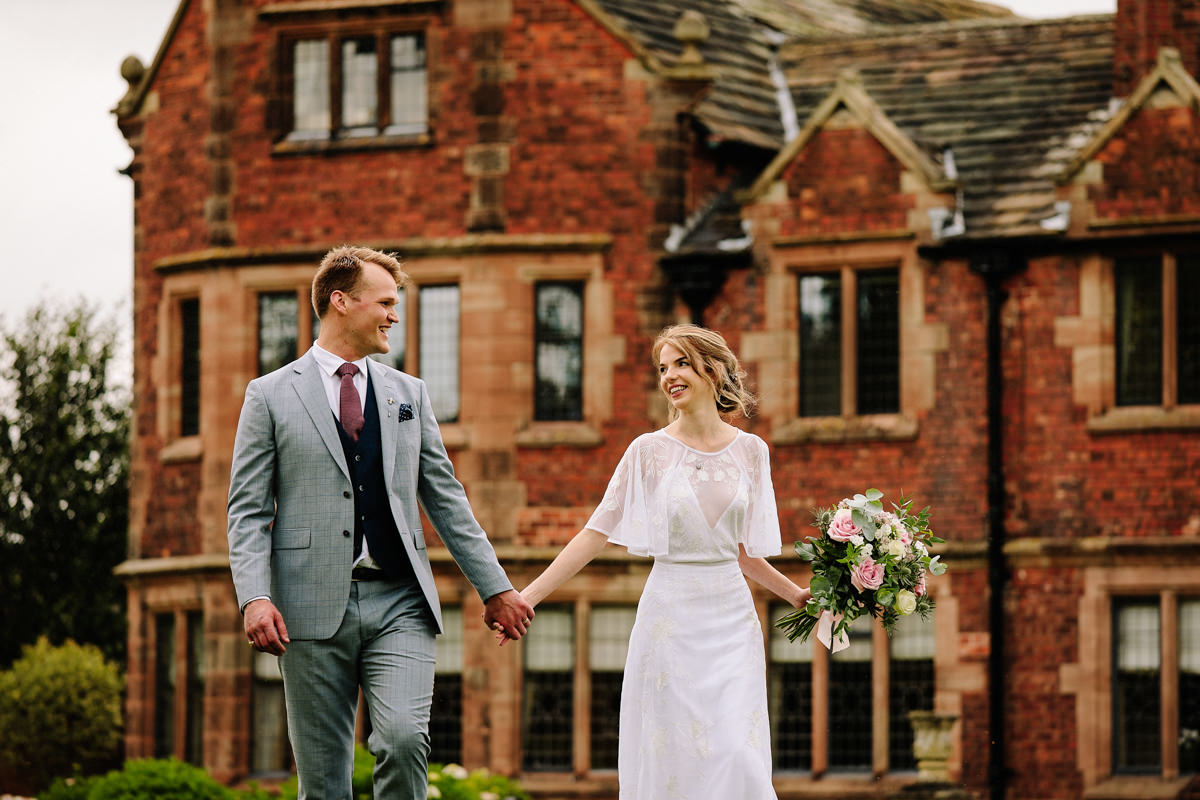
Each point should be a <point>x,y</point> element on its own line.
<point>1144,26</point>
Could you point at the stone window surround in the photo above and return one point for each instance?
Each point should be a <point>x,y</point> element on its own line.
<point>776,350</point>
<point>332,27</point>
<point>166,372</point>
<point>1090,336</point>
<point>1090,679</point>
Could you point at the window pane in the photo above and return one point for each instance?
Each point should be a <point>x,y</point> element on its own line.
<point>1139,332</point>
<point>189,378</point>
<point>1136,698</point>
<point>194,747</point>
<point>850,700</point>
<point>438,318</point>
<point>1189,685</point>
<point>609,642</point>
<point>445,721</point>
<point>164,685</point>
<point>360,99</point>
<point>278,327</point>
<point>910,686</point>
<point>878,353</point>
<point>821,345</point>
<point>270,750</point>
<point>409,97</point>
<point>397,339</point>
<point>547,717</point>
<point>789,695</point>
<point>310,89</point>
<point>1187,293</point>
<point>559,332</point>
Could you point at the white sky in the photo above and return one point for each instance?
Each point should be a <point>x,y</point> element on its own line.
<point>60,148</point>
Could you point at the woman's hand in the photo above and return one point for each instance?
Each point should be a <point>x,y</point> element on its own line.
<point>802,597</point>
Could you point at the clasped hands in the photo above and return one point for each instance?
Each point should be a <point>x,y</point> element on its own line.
<point>509,614</point>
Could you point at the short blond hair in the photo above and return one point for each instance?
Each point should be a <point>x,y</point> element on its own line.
<point>341,271</point>
<point>714,361</point>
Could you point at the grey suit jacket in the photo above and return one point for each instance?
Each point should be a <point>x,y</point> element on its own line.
<point>291,501</point>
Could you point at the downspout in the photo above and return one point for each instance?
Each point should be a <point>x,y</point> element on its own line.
<point>994,267</point>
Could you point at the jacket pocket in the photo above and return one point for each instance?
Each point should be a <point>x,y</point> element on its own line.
<point>291,539</point>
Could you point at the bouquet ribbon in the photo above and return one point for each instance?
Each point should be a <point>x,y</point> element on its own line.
<point>825,633</point>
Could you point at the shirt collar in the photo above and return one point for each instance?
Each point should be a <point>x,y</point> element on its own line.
<point>329,363</point>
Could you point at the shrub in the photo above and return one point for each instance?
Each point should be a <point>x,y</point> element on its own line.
<point>60,715</point>
<point>449,782</point>
<point>158,779</point>
<point>453,782</point>
<point>68,789</point>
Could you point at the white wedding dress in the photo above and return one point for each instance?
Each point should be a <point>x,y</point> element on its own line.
<point>694,698</point>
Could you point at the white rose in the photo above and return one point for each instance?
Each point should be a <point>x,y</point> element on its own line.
<point>906,601</point>
<point>893,547</point>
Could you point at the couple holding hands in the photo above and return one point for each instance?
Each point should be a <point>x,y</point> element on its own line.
<point>336,453</point>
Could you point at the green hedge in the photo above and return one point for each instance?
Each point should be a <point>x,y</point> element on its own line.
<point>60,715</point>
<point>168,779</point>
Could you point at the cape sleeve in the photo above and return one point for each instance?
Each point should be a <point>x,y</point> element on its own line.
<point>761,536</point>
<point>628,515</point>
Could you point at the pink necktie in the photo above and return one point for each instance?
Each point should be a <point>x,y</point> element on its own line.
<point>350,406</point>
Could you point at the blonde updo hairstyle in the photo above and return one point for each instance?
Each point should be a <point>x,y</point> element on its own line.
<point>712,360</point>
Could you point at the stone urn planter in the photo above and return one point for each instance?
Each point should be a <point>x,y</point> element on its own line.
<point>932,744</point>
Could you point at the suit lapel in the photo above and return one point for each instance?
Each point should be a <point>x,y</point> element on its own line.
<point>312,395</point>
<point>386,404</point>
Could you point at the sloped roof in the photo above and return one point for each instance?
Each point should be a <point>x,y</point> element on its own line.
<point>1013,102</point>
<point>743,105</point>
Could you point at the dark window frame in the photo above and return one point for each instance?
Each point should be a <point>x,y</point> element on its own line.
<point>851,399</point>
<point>381,30</point>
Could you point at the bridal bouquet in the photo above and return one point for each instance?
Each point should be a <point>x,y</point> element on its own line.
<point>865,561</point>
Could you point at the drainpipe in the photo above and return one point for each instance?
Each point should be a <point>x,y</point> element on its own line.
<point>994,267</point>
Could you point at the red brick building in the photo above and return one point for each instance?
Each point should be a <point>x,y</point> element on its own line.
<point>958,251</point>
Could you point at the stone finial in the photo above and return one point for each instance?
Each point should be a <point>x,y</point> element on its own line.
<point>691,29</point>
<point>1169,56</point>
<point>132,70</point>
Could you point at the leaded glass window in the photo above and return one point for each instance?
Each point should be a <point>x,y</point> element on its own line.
<point>608,645</point>
<point>278,323</point>
<point>445,719</point>
<point>850,706</point>
<point>1136,686</point>
<point>910,685</point>
<point>559,352</point>
<point>1139,332</point>
<point>547,717</point>
<point>438,318</point>
<point>790,695</point>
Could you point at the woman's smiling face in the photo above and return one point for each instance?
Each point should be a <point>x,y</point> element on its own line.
<point>679,380</point>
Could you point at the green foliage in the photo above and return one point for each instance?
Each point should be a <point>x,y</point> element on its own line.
<point>64,464</point>
<point>60,714</point>
<point>452,782</point>
<point>159,779</point>
<point>448,782</point>
<point>68,789</point>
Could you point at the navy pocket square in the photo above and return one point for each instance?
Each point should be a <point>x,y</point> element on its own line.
<point>405,412</point>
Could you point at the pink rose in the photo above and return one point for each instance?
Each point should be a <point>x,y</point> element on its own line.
<point>867,575</point>
<point>843,529</point>
<point>919,589</point>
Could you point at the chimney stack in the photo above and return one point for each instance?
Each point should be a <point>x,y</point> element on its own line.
<point>1145,26</point>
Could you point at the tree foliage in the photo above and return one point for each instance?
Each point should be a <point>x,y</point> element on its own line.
<point>60,715</point>
<point>64,465</point>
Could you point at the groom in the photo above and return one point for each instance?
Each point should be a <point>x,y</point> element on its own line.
<point>332,455</point>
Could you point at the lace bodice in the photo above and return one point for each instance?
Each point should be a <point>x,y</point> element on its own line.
<point>675,503</point>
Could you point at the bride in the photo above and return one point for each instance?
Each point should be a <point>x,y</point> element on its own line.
<point>697,497</point>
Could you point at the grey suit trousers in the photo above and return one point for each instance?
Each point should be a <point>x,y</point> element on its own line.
<point>385,644</point>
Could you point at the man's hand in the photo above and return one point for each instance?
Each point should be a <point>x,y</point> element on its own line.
<point>509,613</point>
<point>264,627</point>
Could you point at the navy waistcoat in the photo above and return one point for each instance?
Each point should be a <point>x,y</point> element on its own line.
<point>372,514</point>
